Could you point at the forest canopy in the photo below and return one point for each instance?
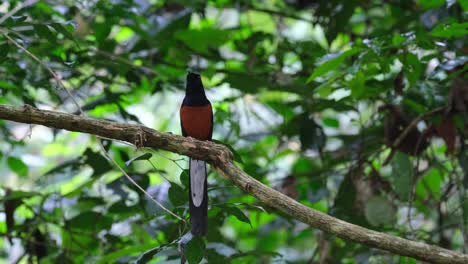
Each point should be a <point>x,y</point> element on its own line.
<point>356,109</point>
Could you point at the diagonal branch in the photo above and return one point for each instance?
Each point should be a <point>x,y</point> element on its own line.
<point>221,159</point>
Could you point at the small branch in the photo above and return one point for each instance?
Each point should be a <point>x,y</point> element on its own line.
<point>143,68</point>
<point>281,14</point>
<point>413,124</point>
<point>221,160</point>
<point>106,155</point>
<point>16,9</point>
<point>56,77</point>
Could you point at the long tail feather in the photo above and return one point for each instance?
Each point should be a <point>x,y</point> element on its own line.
<point>198,197</point>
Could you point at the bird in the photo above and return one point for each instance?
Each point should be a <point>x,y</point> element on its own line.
<point>196,120</point>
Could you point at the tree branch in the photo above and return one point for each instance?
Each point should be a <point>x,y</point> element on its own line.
<point>221,159</point>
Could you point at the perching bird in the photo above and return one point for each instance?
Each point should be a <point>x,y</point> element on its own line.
<point>196,119</point>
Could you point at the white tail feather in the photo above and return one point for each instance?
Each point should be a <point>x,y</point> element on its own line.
<point>197,180</point>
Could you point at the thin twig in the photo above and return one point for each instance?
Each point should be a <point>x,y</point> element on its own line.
<point>155,169</point>
<point>16,9</point>
<point>56,77</point>
<point>281,14</point>
<point>106,155</point>
<point>414,179</point>
<point>413,124</point>
<point>144,68</point>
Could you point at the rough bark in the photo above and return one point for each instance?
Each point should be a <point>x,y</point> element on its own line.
<point>221,159</point>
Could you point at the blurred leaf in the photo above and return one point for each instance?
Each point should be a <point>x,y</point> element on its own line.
<point>184,178</point>
<point>72,165</point>
<point>102,30</point>
<point>246,82</point>
<point>203,39</point>
<point>64,30</point>
<point>430,4</point>
<point>92,221</point>
<point>231,210</point>
<point>131,250</point>
<point>97,162</point>
<point>331,122</point>
<point>7,85</point>
<point>331,62</point>
<point>178,22</point>
<point>4,48</point>
<point>17,166</point>
<point>464,4</point>
<point>44,31</point>
<point>379,211</point>
<point>148,255</point>
<point>145,156</point>
<point>454,30</point>
<point>177,195</point>
<point>432,182</point>
<point>195,250</point>
<point>402,173</point>
<point>345,205</point>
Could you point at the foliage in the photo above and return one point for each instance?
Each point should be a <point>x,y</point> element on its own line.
<point>311,95</point>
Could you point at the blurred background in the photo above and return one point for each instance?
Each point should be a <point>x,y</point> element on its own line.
<point>313,96</point>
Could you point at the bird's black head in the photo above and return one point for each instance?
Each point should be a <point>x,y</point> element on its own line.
<point>194,84</point>
<point>194,91</point>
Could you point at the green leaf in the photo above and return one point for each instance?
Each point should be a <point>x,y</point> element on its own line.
<point>246,82</point>
<point>184,178</point>
<point>102,30</point>
<point>345,203</point>
<point>379,211</point>
<point>195,250</point>
<point>7,85</point>
<point>454,30</point>
<point>398,39</point>
<point>21,194</point>
<point>402,173</point>
<point>230,210</point>
<point>148,255</point>
<point>177,195</point>
<point>90,220</point>
<point>96,161</point>
<point>145,156</point>
<point>432,181</point>
<point>331,122</point>
<point>124,34</point>
<point>464,5</point>
<point>127,251</point>
<point>43,31</point>
<point>17,166</point>
<point>203,39</point>
<point>331,63</point>
<point>431,4</point>
<point>358,86</point>
<point>62,28</point>
<point>4,48</point>
<point>70,165</point>
<point>179,22</point>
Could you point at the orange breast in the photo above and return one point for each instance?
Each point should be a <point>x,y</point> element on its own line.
<point>197,121</point>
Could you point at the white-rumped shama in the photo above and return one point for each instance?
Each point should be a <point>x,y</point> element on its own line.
<point>196,119</point>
